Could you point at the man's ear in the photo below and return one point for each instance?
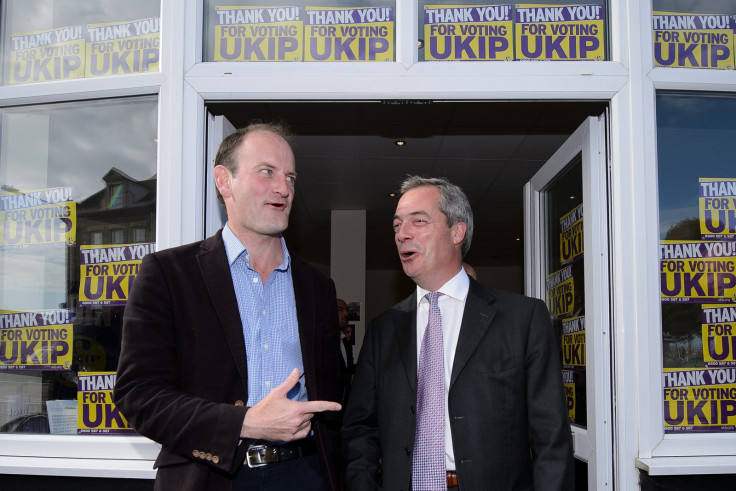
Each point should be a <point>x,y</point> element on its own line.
<point>459,232</point>
<point>222,180</point>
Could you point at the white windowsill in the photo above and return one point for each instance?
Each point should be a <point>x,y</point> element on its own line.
<point>680,466</point>
<point>37,466</point>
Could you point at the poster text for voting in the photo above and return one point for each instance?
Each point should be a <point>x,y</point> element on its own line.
<point>38,218</point>
<point>107,272</point>
<point>96,412</point>
<point>36,340</point>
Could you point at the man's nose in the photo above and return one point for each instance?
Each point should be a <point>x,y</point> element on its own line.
<point>403,232</point>
<point>281,186</point>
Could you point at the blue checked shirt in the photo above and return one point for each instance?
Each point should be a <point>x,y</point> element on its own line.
<point>268,314</point>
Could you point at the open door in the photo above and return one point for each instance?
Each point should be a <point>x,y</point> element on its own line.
<point>218,127</point>
<point>566,214</point>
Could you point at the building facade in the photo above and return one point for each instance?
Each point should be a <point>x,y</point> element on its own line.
<point>592,137</point>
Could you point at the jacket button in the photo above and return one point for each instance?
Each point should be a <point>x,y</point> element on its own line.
<point>408,452</point>
<point>195,453</point>
<point>215,459</point>
<point>208,456</point>
<point>239,403</point>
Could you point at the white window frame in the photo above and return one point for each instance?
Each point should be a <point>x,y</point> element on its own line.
<point>635,253</point>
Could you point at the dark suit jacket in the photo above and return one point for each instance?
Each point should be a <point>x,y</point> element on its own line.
<point>509,422</point>
<point>182,376</point>
<point>348,368</point>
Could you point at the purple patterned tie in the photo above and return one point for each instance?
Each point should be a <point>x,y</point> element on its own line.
<point>428,471</point>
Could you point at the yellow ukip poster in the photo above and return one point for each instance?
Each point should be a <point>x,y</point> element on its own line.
<point>349,34</point>
<point>560,32</point>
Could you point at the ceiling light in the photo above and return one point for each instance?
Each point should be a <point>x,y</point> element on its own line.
<point>572,196</point>
<point>392,195</point>
<point>400,143</point>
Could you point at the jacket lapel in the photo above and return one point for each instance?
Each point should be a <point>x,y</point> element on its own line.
<point>304,316</point>
<point>477,317</point>
<point>215,271</point>
<point>406,333</point>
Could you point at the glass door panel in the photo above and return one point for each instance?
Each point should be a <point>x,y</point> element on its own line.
<point>566,265</point>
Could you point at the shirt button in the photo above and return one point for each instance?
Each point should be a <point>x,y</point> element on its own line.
<point>265,347</point>
<point>255,280</point>
<point>268,384</point>
<point>264,312</point>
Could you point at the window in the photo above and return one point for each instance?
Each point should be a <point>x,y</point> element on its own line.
<point>139,234</point>
<point>506,31</point>
<point>302,30</point>
<point>47,40</point>
<point>697,217</point>
<point>117,236</point>
<point>694,34</point>
<point>63,286</point>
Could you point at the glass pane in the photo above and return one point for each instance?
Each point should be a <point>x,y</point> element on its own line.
<point>565,286</point>
<point>694,33</point>
<point>300,30</point>
<point>503,31</point>
<point>76,178</point>
<point>697,220</point>
<point>45,40</point>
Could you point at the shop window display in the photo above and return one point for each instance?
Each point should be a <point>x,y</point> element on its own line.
<point>697,218</point>
<point>350,31</point>
<point>550,30</point>
<point>78,183</point>
<point>50,40</point>
<point>300,31</point>
<point>694,34</point>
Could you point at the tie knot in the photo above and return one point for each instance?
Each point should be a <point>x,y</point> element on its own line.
<point>433,297</point>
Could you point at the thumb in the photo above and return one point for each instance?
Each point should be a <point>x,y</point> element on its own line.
<point>288,384</point>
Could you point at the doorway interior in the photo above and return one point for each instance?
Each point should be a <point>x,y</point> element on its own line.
<point>348,159</point>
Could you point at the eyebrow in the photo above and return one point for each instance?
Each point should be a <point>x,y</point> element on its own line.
<point>415,213</point>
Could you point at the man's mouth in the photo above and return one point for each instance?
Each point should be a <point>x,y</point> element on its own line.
<point>278,206</point>
<point>406,255</point>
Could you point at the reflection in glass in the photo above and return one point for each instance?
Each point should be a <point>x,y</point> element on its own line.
<point>91,166</point>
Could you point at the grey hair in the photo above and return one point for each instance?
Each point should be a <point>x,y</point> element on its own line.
<point>453,203</point>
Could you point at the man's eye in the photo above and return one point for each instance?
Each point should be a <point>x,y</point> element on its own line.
<point>291,179</point>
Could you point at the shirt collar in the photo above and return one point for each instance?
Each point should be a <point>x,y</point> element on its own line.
<point>457,287</point>
<point>234,249</point>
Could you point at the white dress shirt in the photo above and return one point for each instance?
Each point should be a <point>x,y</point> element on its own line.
<point>452,306</point>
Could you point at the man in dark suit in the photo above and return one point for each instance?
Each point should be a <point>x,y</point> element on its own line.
<point>500,421</point>
<point>230,351</point>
